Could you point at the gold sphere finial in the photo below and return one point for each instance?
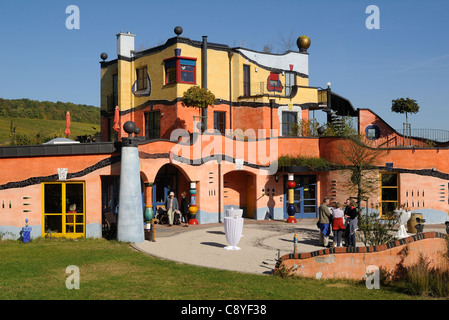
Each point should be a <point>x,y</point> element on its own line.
<point>303,43</point>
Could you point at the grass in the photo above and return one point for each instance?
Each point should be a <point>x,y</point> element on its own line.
<point>110,270</point>
<point>47,127</point>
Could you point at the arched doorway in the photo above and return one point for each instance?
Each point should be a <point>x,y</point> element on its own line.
<point>110,195</point>
<point>169,178</point>
<point>239,191</point>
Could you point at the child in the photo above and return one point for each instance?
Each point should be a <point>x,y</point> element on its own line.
<point>338,224</point>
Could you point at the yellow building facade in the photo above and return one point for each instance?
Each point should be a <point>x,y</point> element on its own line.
<point>147,86</point>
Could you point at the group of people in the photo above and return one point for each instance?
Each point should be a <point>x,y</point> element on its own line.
<point>342,221</point>
<point>172,207</point>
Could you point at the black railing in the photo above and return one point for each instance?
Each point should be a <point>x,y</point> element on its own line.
<point>435,135</point>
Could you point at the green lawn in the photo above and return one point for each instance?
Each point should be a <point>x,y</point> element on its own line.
<point>46,127</point>
<point>112,270</point>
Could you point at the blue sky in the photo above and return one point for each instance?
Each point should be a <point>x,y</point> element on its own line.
<point>407,57</point>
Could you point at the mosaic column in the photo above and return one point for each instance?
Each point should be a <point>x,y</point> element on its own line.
<point>291,184</point>
<point>149,213</point>
<point>193,208</point>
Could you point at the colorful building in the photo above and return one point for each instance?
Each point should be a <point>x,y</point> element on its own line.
<point>263,110</point>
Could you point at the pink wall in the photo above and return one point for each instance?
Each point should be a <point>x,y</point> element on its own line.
<point>341,263</point>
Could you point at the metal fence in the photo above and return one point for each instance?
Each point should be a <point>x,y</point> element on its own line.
<point>435,135</point>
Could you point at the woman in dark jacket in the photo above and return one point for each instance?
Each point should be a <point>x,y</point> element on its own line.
<point>185,208</point>
<point>351,226</point>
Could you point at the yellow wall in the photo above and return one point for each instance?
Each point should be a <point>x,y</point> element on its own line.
<point>217,82</point>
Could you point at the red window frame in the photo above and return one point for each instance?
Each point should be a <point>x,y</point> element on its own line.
<point>177,66</point>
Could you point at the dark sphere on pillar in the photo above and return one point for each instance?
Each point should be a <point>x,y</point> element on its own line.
<point>104,56</point>
<point>178,30</point>
<point>320,130</point>
<point>129,127</point>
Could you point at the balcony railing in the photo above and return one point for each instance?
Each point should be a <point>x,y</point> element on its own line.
<point>434,135</point>
<point>261,88</point>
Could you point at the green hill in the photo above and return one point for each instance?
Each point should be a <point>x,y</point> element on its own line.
<point>35,122</point>
<point>46,110</point>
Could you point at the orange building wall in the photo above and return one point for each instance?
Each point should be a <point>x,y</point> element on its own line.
<point>340,263</point>
<point>29,198</point>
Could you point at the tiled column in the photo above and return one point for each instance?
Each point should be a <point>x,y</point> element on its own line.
<point>291,198</point>
<point>193,208</point>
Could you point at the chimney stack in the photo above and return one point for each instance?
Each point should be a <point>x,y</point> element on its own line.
<point>125,44</point>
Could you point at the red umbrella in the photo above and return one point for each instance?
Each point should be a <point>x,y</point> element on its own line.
<point>67,124</point>
<point>116,126</point>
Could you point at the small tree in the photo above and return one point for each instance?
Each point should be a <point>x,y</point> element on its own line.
<point>360,162</point>
<point>200,98</point>
<point>406,106</point>
<point>375,231</point>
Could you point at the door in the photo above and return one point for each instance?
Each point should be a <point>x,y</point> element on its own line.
<point>250,196</point>
<point>166,180</point>
<point>63,209</point>
<point>290,81</point>
<point>246,81</point>
<point>304,197</point>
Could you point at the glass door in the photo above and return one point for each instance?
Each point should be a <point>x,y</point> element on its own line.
<point>304,197</point>
<point>63,209</point>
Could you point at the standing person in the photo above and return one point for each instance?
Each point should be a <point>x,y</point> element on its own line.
<point>337,224</point>
<point>185,208</point>
<point>346,213</point>
<point>351,225</point>
<point>324,222</point>
<point>171,205</point>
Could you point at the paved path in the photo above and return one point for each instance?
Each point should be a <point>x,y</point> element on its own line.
<point>260,245</point>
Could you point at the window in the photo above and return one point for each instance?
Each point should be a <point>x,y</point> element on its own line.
<point>180,70</point>
<point>372,132</point>
<point>63,208</point>
<point>389,195</point>
<point>246,81</point>
<point>290,81</point>
<point>153,125</point>
<point>142,79</point>
<point>289,121</point>
<point>273,82</point>
<point>220,121</point>
<point>115,90</point>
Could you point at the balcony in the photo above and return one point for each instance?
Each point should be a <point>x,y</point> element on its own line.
<point>260,89</point>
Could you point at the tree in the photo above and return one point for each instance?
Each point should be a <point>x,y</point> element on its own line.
<point>406,106</point>
<point>360,161</point>
<point>200,98</point>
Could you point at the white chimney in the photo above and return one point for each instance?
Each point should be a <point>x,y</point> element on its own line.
<point>125,44</point>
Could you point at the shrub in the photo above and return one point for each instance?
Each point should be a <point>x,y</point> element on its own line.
<point>313,163</point>
<point>421,279</point>
<point>375,231</point>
